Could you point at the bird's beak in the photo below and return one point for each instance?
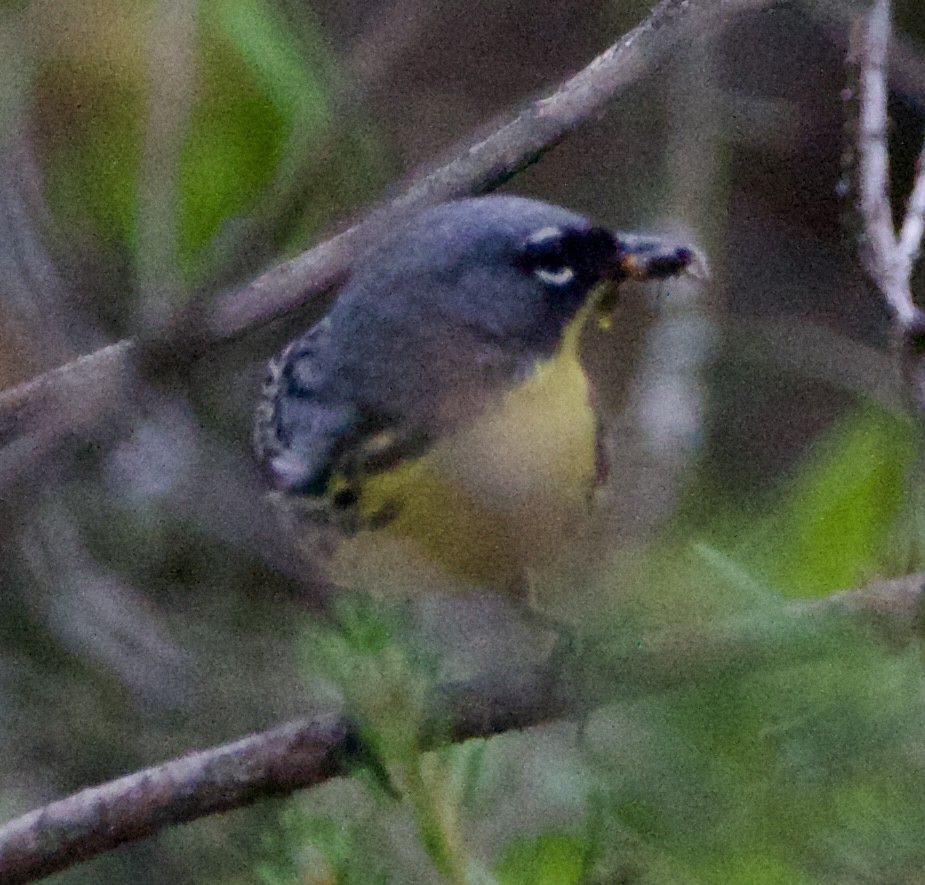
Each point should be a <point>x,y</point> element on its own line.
<point>639,257</point>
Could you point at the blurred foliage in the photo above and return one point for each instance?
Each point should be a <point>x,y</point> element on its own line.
<point>833,523</point>
<point>261,106</point>
<point>785,774</point>
<point>144,611</point>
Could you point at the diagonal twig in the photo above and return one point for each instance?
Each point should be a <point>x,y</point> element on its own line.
<point>100,818</point>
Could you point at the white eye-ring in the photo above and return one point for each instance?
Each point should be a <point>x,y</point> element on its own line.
<point>546,257</point>
<point>548,234</point>
<point>561,276</point>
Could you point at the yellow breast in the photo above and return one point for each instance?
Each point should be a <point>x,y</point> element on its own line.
<point>489,501</point>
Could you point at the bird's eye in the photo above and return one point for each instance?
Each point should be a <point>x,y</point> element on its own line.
<point>545,256</point>
<point>555,276</point>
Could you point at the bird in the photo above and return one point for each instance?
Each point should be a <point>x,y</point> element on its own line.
<point>402,435</point>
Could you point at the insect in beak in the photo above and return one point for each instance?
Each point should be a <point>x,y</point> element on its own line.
<point>640,257</point>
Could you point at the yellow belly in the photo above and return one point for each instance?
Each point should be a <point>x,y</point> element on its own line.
<point>490,501</point>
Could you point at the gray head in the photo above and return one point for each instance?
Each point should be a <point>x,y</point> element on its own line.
<point>516,269</point>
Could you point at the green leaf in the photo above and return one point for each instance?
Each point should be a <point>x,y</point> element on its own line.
<point>256,88</point>
<point>754,868</point>
<point>293,77</point>
<point>550,859</point>
<point>385,684</point>
<point>831,528</point>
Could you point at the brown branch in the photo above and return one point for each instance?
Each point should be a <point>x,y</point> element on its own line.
<point>307,752</point>
<point>71,399</point>
<point>67,399</point>
<point>96,820</point>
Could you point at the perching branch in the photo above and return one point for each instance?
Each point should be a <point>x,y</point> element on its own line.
<point>99,819</point>
<point>310,751</point>
<point>75,396</point>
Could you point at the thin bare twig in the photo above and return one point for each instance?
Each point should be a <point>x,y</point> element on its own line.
<point>305,753</point>
<point>874,158</point>
<point>887,258</point>
<point>67,399</point>
<point>910,235</point>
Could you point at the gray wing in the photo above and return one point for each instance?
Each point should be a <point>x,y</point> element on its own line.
<point>305,433</point>
<point>297,429</point>
<point>297,434</point>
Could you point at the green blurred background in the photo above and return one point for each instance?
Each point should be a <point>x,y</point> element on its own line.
<point>160,150</point>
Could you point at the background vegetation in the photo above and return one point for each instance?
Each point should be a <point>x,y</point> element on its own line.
<point>154,151</point>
